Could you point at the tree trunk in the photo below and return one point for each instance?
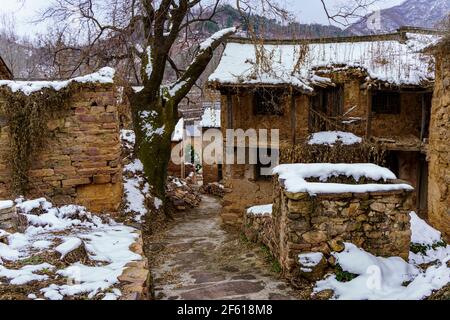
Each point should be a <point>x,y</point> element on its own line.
<point>154,121</point>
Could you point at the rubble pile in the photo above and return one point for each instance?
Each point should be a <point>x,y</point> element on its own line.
<point>182,194</point>
<point>215,189</point>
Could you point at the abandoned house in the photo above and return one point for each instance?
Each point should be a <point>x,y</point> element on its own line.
<point>61,140</point>
<point>377,87</point>
<point>5,72</point>
<point>210,120</point>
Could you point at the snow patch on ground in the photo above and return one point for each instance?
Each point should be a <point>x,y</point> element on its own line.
<point>392,278</point>
<point>107,245</point>
<point>135,186</point>
<point>6,204</point>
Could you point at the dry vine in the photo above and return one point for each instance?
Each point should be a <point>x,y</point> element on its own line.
<point>27,118</point>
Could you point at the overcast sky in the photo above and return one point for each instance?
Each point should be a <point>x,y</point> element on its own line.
<point>307,11</point>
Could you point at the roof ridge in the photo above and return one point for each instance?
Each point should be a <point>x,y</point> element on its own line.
<point>399,35</point>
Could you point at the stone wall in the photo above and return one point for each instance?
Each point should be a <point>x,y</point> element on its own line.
<point>377,222</point>
<point>439,149</point>
<point>259,229</point>
<point>81,160</point>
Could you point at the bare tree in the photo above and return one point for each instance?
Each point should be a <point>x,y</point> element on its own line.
<point>144,36</point>
<point>344,14</point>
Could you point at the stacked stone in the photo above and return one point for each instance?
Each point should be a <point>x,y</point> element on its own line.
<point>376,221</point>
<point>258,228</point>
<point>439,147</point>
<point>8,215</point>
<point>81,160</point>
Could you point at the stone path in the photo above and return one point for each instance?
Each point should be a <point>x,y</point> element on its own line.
<point>196,259</point>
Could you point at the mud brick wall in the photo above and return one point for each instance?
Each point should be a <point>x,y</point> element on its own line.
<point>439,149</point>
<point>242,192</point>
<point>81,160</point>
<point>377,222</point>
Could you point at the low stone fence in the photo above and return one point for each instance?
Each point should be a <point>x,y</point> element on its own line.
<point>378,222</point>
<point>374,216</point>
<point>258,228</point>
<point>134,279</point>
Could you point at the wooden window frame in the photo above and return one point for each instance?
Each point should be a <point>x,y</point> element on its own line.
<point>386,102</point>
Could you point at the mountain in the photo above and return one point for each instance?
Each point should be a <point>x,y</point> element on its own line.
<point>228,16</point>
<point>416,13</point>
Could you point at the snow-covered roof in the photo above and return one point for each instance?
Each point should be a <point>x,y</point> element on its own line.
<point>211,117</point>
<point>387,59</point>
<point>104,75</point>
<point>294,178</point>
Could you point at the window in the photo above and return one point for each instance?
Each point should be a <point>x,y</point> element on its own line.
<point>268,101</point>
<point>329,101</point>
<point>386,103</point>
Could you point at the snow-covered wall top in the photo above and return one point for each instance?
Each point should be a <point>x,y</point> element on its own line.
<point>104,75</point>
<point>294,177</point>
<point>384,60</point>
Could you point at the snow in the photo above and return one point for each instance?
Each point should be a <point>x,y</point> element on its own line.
<point>135,166</point>
<point>25,274</point>
<point>176,87</point>
<point>425,235</point>
<point>294,178</point>
<point>385,60</point>
<point>332,137</point>
<point>216,36</point>
<point>147,127</point>
<point>135,186</point>
<point>70,244</point>
<point>6,204</point>
<point>158,203</point>
<point>42,244</point>
<point>135,197</point>
<point>128,137</point>
<point>211,117</point>
<point>262,210</point>
<point>178,133</point>
<point>422,232</point>
<point>107,243</point>
<point>309,260</point>
<point>383,278</point>
<point>104,75</point>
<point>149,66</point>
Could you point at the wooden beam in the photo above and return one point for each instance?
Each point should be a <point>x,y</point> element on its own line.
<point>424,118</point>
<point>293,119</point>
<point>229,111</point>
<point>369,115</point>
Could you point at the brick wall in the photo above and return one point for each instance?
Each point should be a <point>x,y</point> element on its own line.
<point>81,160</point>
